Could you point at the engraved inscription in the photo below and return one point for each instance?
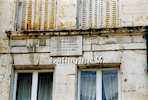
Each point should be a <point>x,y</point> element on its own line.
<point>66,46</point>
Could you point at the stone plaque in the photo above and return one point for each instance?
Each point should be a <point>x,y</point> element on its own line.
<point>66,46</point>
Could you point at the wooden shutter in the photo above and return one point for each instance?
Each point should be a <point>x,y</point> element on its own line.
<point>24,15</point>
<point>29,17</point>
<point>88,13</point>
<point>98,13</point>
<point>36,15</point>
<point>108,16</point>
<point>114,13</point>
<point>35,18</point>
<point>84,14</point>
<point>52,14</point>
<point>102,13</point>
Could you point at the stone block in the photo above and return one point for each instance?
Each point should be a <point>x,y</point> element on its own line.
<point>132,46</point>
<point>126,24</point>
<point>140,19</point>
<point>134,62</point>
<point>133,7</point>
<point>44,59</point>
<point>109,56</point>
<point>86,47</point>
<point>126,18</point>
<point>4,89</point>
<point>118,39</point>
<point>86,40</point>
<point>32,42</point>
<point>109,40</point>
<point>25,59</point>
<point>102,40</point>
<point>2,70</point>
<point>66,23</point>
<point>66,14</point>
<point>18,43</point>
<point>1,78</point>
<point>32,59</point>
<point>66,76</point>
<point>5,60</point>
<point>43,49</point>
<point>4,42</point>
<point>138,39</point>
<point>4,49</point>
<point>42,42</point>
<point>48,42</point>
<point>134,86</point>
<point>95,40</point>
<point>19,49</point>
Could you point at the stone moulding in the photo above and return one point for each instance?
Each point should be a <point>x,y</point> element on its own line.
<point>98,66</point>
<point>48,33</point>
<point>33,67</point>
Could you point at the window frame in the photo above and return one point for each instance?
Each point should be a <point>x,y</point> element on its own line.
<point>99,81</point>
<point>34,82</point>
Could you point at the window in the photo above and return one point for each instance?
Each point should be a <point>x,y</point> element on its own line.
<point>33,85</point>
<point>98,85</point>
<point>36,14</point>
<point>98,13</point>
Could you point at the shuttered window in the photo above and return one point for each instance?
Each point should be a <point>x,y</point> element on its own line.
<point>98,13</point>
<point>36,15</point>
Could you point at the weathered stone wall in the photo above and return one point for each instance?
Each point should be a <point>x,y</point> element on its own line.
<point>128,50</point>
<point>7,22</point>
<point>133,12</point>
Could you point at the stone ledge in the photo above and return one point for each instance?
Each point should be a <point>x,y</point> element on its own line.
<point>98,66</point>
<point>33,67</point>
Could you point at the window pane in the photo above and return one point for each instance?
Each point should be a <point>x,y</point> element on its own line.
<point>24,84</point>
<point>88,86</point>
<point>45,84</point>
<point>110,85</point>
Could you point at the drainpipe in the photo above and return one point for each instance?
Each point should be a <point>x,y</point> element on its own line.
<point>146,36</point>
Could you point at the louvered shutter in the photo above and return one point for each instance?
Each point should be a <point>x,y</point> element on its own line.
<point>52,14</point>
<point>98,13</point>
<point>84,13</point>
<point>29,17</point>
<point>24,14</point>
<point>114,22</point>
<point>102,13</point>
<point>19,14</point>
<point>36,15</point>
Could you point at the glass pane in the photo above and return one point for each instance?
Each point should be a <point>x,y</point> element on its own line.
<point>88,86</point>
<point>24,84</point>
<point>110,85</point>
<point>45,85</point>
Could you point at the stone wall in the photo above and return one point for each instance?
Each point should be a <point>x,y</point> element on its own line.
<point>7,22</point>
<point>133,12</point>
<point>129,50</point>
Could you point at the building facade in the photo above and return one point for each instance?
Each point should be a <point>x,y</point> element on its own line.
<point>73,50</point>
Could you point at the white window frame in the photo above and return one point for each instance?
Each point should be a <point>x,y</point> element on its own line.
<point>34,82</point>
<point>99,81</point>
